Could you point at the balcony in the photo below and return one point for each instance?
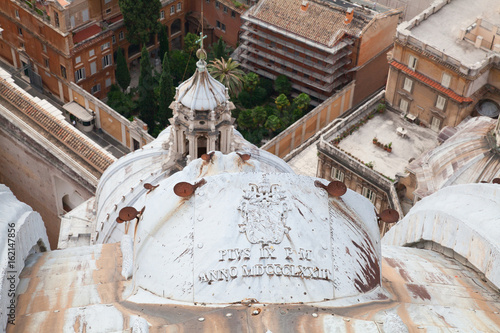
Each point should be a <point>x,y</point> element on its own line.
<point>281,61</point>
<point>251,61</point>
<point>329,67</point>
<point>328,59</point>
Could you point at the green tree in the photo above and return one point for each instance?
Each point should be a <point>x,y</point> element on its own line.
<point>272,124</point>
<point>120,102</point>
<point>191,43</point>
<point>282,103</point>
<point>228,73</point>
<point>141,18</point>
<point>122,73</point>
<point>245,99</point>
<point>245,120</point>
<point>267,85</point>
<point>259,116</point>
<point>282,85</point>
<point>166,95</point>
<point>219,50</point>
<point>164,44</point>
<point>300,104</point>
<point>250,82</point>
<point>146,102</point>
<point>182,66</point>
<point>259,96</point>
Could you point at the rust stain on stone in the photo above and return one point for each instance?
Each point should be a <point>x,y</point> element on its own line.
<point>371,271</point>
<point>419,291</point>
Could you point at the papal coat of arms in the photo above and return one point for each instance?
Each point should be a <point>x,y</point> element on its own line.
<point>264,211</point>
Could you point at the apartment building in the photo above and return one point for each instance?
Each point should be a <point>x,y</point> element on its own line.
<point>445,64</point>
<point>58,42</point>
<point>319,45</point>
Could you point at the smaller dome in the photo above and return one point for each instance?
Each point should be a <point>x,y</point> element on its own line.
<point>202,92</point>
<point>488,108</point>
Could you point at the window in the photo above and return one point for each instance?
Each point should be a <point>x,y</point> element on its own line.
<point>106,61</point>
<point>306,76</point>
<point>233,14</point>
<point>107,1</point>
<point>108,82</point>
<point>44,48</point>
<point>440,102</point>
<point>56,19</point>
<point>162,15</point>
<point>172,10</point>
<point>95,88</point>
<point>272,44</point>
<point>105,46</point>
<point>21,45</point>
<point>79,74</point>
<point>337,174</point>
<point>108,10</point>
<point>20,31</point>
<point>435,124</point>
<point>223,27</point>
<point>63,71</point>
<point>113,39</point>
<point>46,62</point>
<point>93,68</point>
<point>120,35</point>
<point>408,84</point>
<point>78,59</point>
<point>225,9</point>
<point>217,23</point>
<point>412,62</point>
<point>179,6</point>
<point>17,13</point>
<point>85,15</point>
<point>1,30</point>
<point>207,1</point>
<point>403,105</point>
<point>217,4</point>
<point>91,53</point>
<point>369,194</point>
<point>445,81</point>
<point>72,20</point>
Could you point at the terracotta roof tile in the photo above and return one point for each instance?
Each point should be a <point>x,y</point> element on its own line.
<point>63,132</point>
<point>82,35</point>
<point>320,22</point>
<point>436,85</point>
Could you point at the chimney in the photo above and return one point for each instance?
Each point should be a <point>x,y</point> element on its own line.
<point>304,5</point>
<point>479,41</point>
<point>349,15</point>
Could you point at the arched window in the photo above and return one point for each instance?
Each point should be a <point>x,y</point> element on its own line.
<point>175,27</point>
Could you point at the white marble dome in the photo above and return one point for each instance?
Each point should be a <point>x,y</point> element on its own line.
<point>202,92</point>
<point>271,237</point>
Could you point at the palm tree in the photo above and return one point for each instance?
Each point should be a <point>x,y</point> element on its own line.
<point>228,73</point>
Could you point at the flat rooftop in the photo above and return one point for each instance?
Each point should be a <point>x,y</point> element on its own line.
<point>384,126</point>
<point>441,30</point>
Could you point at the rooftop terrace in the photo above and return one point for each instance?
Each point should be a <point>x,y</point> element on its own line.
<point>365,124</point>
<point>440,29</point>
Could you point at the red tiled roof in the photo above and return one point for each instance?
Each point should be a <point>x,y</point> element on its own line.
<point>64,133</point>
<point>82,35</point>
<point>115,19</point>
<point>436,85</point>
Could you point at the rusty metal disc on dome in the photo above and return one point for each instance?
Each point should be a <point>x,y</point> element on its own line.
<point>496,181</point>
<point>183,189</point>
<point>119,220</point>
<point>244,157</point>
<point>128,213</point>
<point>149,186</point>
<point>336,188</point>
<point>207,157</point>
<point>389,215</point>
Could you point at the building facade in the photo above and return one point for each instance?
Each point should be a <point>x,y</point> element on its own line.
<point>55,43</point>
<point>438,76</point>
<point>319,46</point>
